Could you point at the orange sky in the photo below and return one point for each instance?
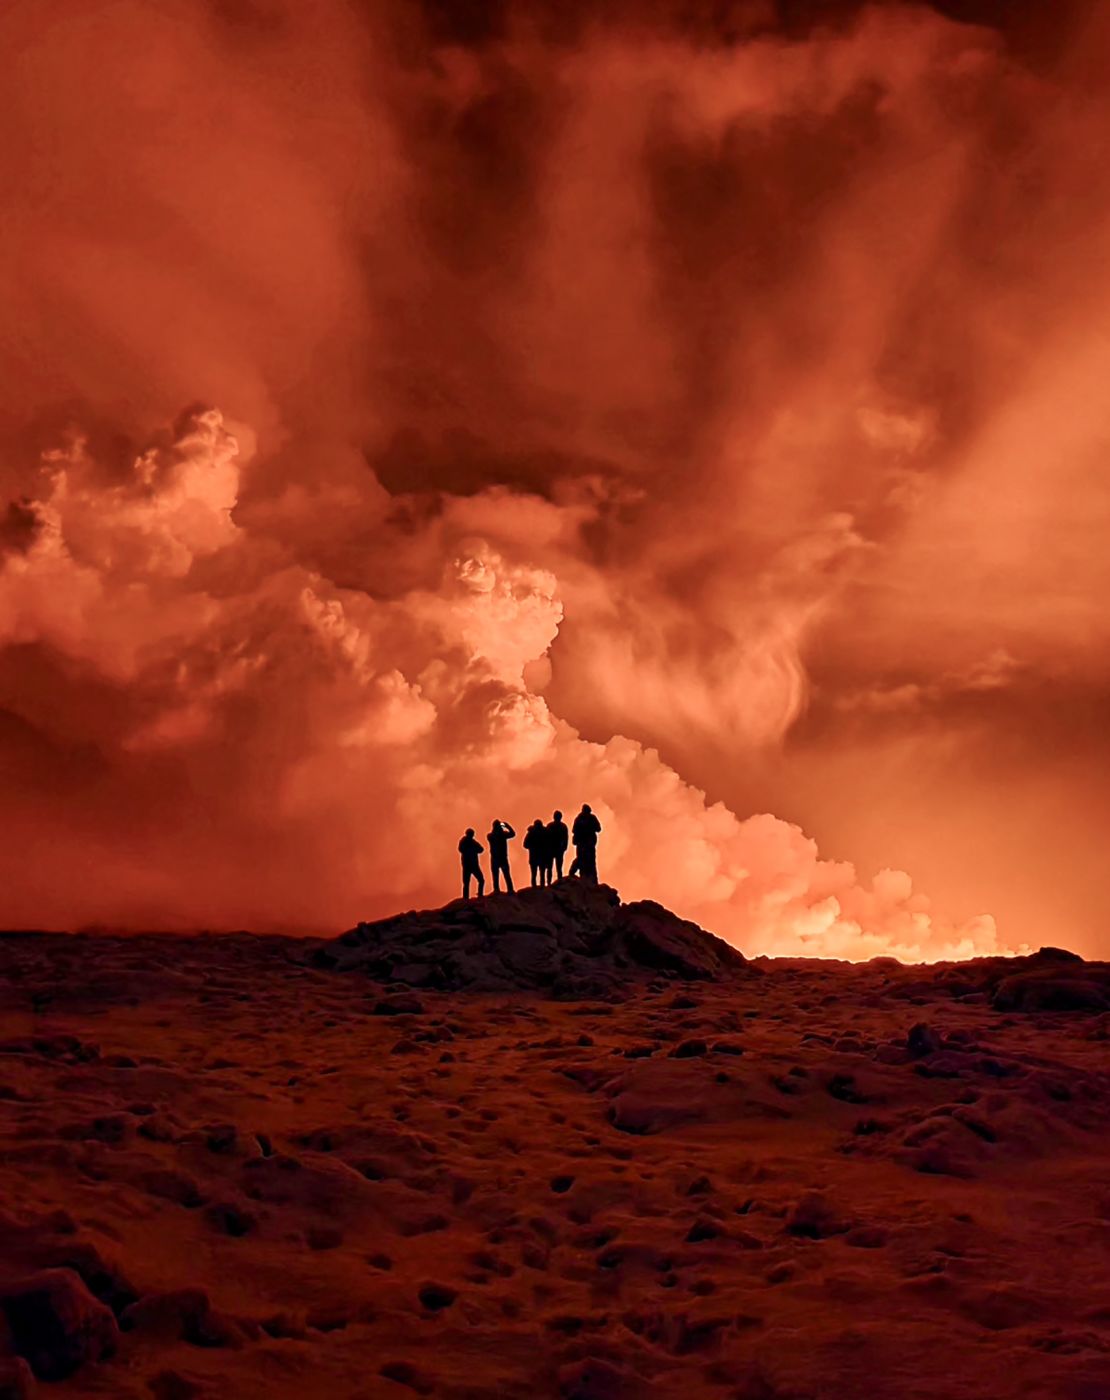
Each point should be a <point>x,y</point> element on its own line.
<point>414,414</point>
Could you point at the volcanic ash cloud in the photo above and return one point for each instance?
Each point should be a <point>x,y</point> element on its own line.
<point>255,744</point>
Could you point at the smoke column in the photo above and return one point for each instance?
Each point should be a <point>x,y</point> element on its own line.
<point>415,415</point>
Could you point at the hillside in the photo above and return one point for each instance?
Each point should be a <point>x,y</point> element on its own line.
<point>574,939</point>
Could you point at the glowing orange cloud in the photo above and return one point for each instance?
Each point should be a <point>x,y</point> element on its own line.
<point>696,424</point>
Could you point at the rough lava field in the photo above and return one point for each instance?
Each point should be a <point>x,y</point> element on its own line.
<point>548,1145</point>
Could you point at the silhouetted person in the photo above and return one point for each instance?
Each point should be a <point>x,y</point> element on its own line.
<point>558,839</point>
<point>585,833</point>
<point>499,836</point>
<point>535,843</point>
<point>470,850</point>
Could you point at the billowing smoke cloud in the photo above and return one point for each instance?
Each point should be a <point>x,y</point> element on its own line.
<point>355,736</point>
<point>608,412</point>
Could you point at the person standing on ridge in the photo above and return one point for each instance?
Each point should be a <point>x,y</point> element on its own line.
<point>470,850</point>
<point>585,833</point>
<point>558,838</point>
<point>499,836</point>
<point>535,843</point>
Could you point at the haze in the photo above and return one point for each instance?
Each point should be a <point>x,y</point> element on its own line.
<point>418,414</point>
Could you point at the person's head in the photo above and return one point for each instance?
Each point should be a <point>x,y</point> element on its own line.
<point>586,807</point>
<point>470,831</point>
<point>497,823</point>
<point>538,822</point>
<point>558,816</point>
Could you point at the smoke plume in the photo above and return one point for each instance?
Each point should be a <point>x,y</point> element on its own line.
<point>416,415</point>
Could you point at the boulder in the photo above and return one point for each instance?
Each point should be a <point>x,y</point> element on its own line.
<point>1053,991</point>
<point>55,1323</point>
<point>814,1218</point>
<point>184,1314</point>
<point>922,1040</point>
<point>17,1380</point>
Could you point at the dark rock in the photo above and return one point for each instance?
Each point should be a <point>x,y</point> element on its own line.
<point>1051,991</point>
<point>406,1374</point>
<point>574,940</point>
<point>655,939</point>
<point>945,1065</point>
<point>589,1076</point>
<point>844,1088</point>
<point>17,1380</point>
<point>221,1137</point>
<point>922,1040</point>
<point>29,1250</point>
<point>172,1385</point>
<point>689,1049</point>
<point>594,1378</point>
<point>231,1219</point>
<point>437,1296</point>
<point>56,1324</point>
<point>173,1186</point>
<point>399,1006</point>
<point>814,1218</point>
<point>185,1314</point>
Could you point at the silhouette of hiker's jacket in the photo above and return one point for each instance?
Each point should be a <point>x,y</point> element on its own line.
<point>499,836</point>
<point>535,843</point>
<point>558,838</point>
<point>585,832</point>
<point>470,849</point>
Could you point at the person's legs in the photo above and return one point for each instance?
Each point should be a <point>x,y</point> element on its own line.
<point>558,865</point>
<point>466,883</point>
<point>588,863</point>
<point>481,881</point>
<point>535,873</point>
<point>508,879</point>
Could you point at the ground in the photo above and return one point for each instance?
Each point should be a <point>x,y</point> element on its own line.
<point>805,1180</point>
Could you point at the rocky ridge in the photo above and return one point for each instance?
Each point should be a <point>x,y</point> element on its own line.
<point>573,939</point>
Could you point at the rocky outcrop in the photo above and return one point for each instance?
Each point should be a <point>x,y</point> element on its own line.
<point>1051,979</point>
<point>571,940</point>
<point>54,1323</point>
<point>1085,990</point>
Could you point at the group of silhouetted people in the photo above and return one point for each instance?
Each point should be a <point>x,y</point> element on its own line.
<point>546,844</point>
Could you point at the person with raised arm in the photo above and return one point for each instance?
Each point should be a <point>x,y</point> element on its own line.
<point>499,836</point>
